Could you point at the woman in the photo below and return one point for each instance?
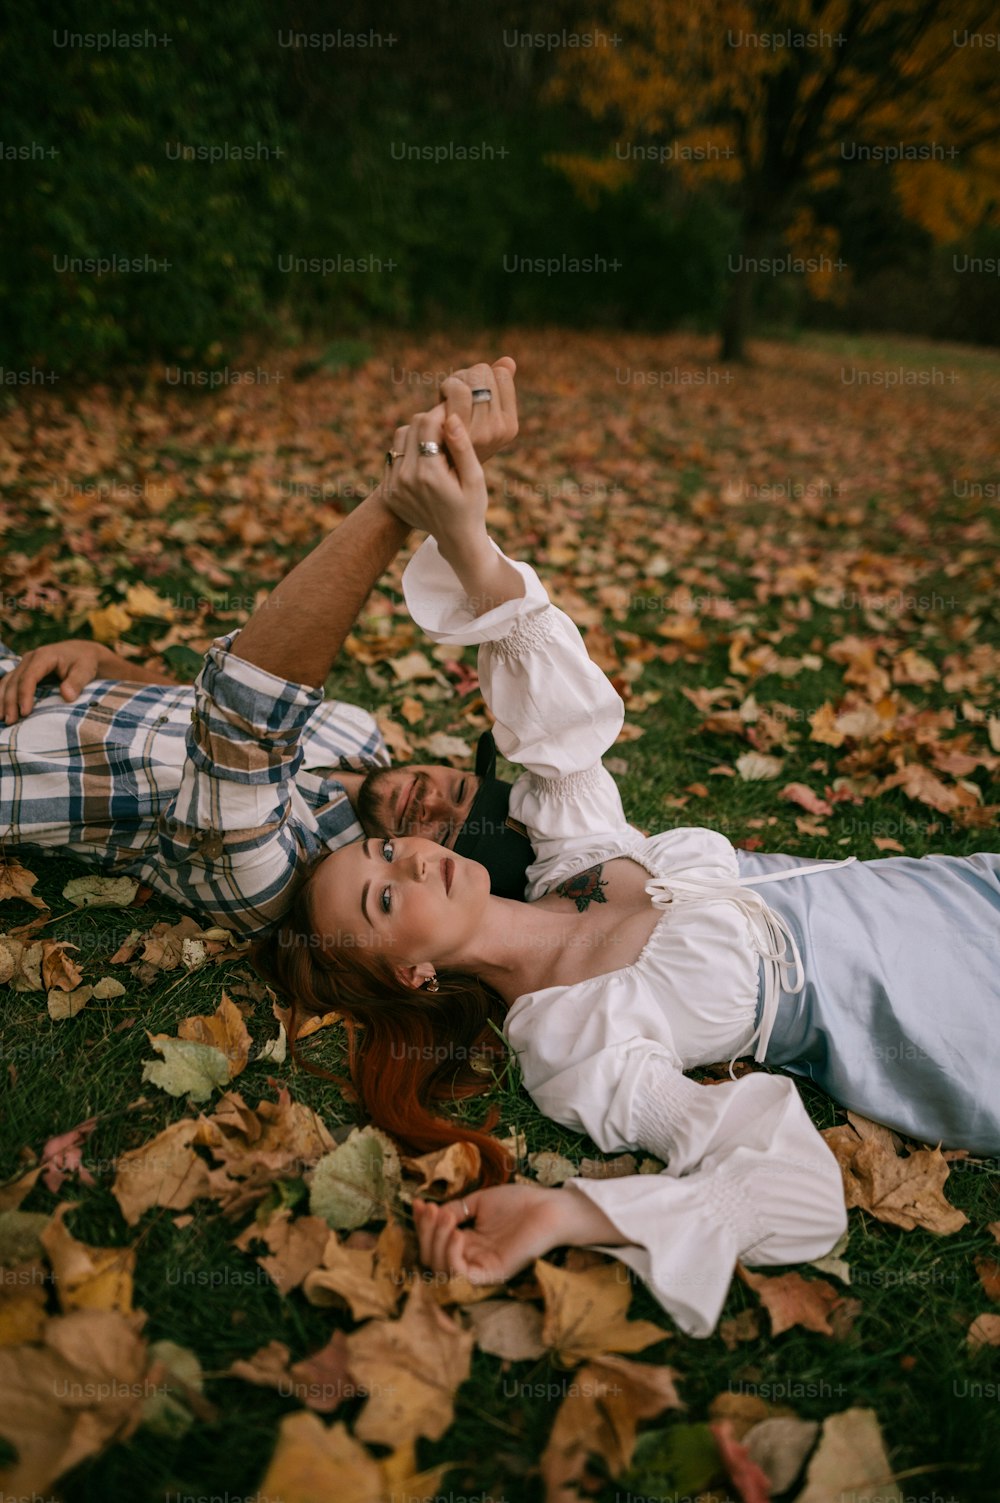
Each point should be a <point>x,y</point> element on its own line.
<point>606,996</point>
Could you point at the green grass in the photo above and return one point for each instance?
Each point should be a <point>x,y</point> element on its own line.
<point>906,1357</point>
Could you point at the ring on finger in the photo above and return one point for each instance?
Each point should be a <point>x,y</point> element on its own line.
<point>429,448</point>
<point>391,454</point>
<point>481,394</point>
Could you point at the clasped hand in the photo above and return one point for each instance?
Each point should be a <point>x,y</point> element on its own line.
<point>445,492</point>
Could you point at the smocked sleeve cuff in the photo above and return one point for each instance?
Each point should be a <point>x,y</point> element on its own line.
<point>440,607</point>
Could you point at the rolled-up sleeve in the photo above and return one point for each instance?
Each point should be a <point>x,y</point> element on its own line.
<point>231,833</point>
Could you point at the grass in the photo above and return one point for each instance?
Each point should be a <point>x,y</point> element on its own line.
<point>907,1356</point>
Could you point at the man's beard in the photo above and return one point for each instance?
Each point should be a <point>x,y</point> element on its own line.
<point>372,802</point>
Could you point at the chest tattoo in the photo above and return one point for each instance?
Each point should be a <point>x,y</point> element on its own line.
<point>585,888</point>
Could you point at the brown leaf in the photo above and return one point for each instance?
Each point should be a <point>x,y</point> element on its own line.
<point>446,1171</point>
<point>16,882</point>
<point>224,1029</point>
<point>599,1417</point>
<point>586,1314</point>
<point>742,1327</point>
<point>746,1476</point>
<point>904,1191</point>
<point>410,1368</point>
<point>369,1280</point>
<point>87,1278</point>
<point>22,1302</point>
<point>506,1328</point>
<point>64,1400</point>
<point>984,1331</point>
<point>296,1247</point>
<point>313,1461</point>
<point>58,968</point>
<point>988,1270</point>
<point>791,1300</point>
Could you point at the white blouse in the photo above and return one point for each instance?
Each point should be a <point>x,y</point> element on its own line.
<point>748,1176</point>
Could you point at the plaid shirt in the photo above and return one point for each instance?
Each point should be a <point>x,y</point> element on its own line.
<point>213,793</point>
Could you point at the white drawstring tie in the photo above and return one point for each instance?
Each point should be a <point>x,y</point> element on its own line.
<point>769,933</point>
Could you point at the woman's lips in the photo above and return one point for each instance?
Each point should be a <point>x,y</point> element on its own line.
<point>448,871</point>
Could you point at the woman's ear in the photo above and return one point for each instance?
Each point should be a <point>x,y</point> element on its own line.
<point>414,976</point>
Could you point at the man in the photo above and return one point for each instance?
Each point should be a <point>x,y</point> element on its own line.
<point>220,793</point>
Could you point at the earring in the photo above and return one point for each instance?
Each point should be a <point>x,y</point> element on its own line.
<point>432,984</point>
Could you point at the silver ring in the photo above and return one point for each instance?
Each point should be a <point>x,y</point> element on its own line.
<point>429,448</point>
<point>481,394</point>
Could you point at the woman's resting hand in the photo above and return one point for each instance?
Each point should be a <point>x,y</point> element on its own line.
<point>513,1225</point>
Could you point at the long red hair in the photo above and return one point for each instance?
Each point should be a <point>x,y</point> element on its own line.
<point>405,1048</point>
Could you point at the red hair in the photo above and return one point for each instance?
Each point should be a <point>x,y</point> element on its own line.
<point>405,1048</point>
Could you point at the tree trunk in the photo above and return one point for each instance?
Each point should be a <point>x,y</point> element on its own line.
<point>743,275</point>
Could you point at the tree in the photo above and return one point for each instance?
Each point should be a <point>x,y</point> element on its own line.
<point>776,99</point>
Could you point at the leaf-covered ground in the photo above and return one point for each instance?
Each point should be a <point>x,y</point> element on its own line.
<point>790,571</point>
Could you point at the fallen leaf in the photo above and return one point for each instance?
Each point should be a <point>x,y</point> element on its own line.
<point>16,882</point>
<point>780,1446</point>
<point>410,1368</point>
<point>356,1182</point>
<point>791,1300</point>
<point>369,1280</point>
<point>296,1246</point>
<point>984,1331</point>
<point>187,1068</point>
<point>599,1417</point>
<point>62,1156</point>
<point>101,892</point>
<point>65,1399</point>
<point>507,1328</point>
<point>91,1278</point>
<point>906,1191</point>
<point>62,1004</point>
<point>447,1171</point>
<point>850,1458</point>
<point>586,1314</point>
<point>223,1030</point>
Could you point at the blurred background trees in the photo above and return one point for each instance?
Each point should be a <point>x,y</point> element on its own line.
<point>328,155</point>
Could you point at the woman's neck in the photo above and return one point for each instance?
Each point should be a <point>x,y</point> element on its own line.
<point>521,946</point>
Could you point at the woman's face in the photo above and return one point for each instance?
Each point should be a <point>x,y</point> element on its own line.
<point>415,902</point>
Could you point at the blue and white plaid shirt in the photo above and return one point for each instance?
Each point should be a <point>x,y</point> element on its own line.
<point>214,793</point>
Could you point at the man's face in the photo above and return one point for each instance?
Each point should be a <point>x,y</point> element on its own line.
<point>426,800</point>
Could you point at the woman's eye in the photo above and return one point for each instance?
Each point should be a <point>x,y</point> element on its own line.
<point>385,898</point>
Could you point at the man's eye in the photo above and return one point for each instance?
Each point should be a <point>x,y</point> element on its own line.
<point>385,900</point>
<point>461,791</point>
<point>387,849</point>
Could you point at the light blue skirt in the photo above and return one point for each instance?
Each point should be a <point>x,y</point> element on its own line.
<point>899,1016</point>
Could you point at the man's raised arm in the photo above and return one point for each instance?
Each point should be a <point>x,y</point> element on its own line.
<point>299,630</point>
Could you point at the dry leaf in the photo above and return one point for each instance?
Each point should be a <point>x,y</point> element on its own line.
<point>904,1191</point>
<point>791,1300</point>
<point>369,1280</point>
<point>410,1368</point>
<point>91,1278</point>
<point>586,1314</point>
<point>446,1172</point>
<point>224,1030</point>
<point>507,1328</point>
<point>599,1418</point>
<point>984,1331</point>
<point>850,1459</point>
